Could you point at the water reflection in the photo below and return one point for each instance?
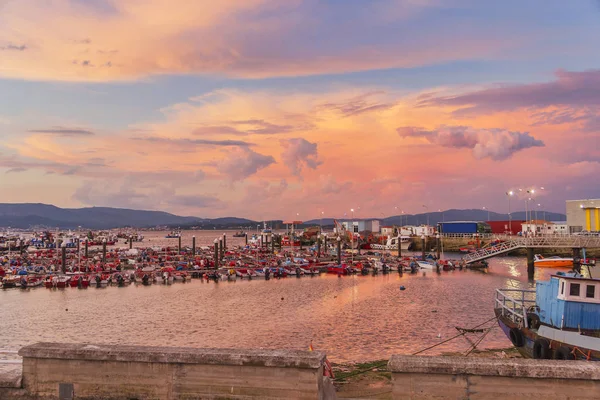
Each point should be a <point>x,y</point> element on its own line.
<point>351,318</point>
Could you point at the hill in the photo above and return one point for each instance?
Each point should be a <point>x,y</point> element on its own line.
<point>27,215</point>
<point>451,215</point>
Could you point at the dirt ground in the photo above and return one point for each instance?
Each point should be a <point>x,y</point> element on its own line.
<point>371,380</point>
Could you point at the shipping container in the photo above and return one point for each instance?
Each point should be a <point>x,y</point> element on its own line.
<point>465,227</point>
<point>506,226</point>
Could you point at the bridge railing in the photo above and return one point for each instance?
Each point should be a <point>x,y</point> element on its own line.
<point>571,241</point>
<point>489,251</point>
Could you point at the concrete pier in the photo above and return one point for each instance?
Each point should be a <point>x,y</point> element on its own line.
<point>80,371</point>
<point>86,371</point>
<point>530,263</point>
<point>416,377</point>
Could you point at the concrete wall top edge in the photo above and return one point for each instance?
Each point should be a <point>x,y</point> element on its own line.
<point>183,355</point>
<point>523,368</point>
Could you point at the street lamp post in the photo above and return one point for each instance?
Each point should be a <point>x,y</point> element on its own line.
<point>488,210</point>
<point>352,239</point>
<point>509,194</point>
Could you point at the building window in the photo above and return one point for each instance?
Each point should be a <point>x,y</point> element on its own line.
<point>574,289</point>
<point>562,288</point>
<point>590,291</point>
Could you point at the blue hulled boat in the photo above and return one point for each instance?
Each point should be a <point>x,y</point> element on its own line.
<point>559,320</point>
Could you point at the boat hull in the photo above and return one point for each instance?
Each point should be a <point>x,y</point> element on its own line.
<point>553,264</point>
<point>530,336</point>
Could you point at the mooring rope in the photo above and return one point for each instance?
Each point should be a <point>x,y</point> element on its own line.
<point>453,337</point>
<point>464,331</point>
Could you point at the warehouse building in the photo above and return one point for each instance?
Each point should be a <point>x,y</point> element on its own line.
<point>464,227</point>
<point>583,215</point>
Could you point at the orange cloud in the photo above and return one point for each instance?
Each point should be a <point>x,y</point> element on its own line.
<point>105,40</point>
<point>300,151</point>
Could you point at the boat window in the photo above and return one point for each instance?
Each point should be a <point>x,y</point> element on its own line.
<point>574,289</point>
<point>562,288</point>
<point>590,291</point>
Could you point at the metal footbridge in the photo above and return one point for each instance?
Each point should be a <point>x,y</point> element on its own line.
<point>565,241</point>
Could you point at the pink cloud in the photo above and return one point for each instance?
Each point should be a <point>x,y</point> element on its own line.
<point>299,153</point>
<point>137,39</point>
<point>577,89</point>
<point>243,162</point>
<point>497,144</point>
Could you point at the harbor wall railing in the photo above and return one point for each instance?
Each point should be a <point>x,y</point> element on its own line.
<point>416,377</point>
<point>79,371</point>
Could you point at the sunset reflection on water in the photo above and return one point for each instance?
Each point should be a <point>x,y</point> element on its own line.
<point>351,318</point>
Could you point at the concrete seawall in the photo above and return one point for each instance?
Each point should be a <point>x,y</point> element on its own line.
<point>415,377</point>
<point>79,371</point>
<point>134,372</point>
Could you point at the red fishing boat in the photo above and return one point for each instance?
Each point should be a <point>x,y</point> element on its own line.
<point>80,281</point>
<point>338,269</point>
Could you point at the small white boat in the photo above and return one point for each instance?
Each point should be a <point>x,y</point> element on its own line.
<point>425,265</point>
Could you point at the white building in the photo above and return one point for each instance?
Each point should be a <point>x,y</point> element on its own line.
<point>418,230</point>
<point>361,225</point>
<point>540,227</point>
<point>583,215</point>
<point>387,231</point>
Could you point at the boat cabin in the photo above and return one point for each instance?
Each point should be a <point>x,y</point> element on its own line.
<point>569,301</point>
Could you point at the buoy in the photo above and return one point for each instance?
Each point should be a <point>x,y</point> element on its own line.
<point>402,288</point>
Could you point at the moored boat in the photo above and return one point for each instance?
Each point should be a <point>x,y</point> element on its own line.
<point>552,262</point>
<point>560,319</point>
<point>425,265</point>
<point>10,281</point>
<point>392,243</point>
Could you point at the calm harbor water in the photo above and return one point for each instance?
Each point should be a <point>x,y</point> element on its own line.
<point>351,318</point>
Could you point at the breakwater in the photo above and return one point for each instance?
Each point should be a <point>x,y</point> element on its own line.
<point>94,371</point>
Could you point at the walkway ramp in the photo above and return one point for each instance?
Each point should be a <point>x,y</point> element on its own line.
<point>492,251</point>
<point>538,242</point>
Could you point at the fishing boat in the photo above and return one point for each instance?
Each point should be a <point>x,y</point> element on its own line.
<point>338,269</point>
<point>392,243</point>
<point>560,319</point>
<point>79,280</point>
<point>31,281</point>
<point>173,235</point>
<point>290,241</point>
<point>239,234</point>
<point>552,262</point>
<point>425,265</point>
<point>10,281</point>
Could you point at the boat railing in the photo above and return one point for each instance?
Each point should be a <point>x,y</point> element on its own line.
<point>514,304</point>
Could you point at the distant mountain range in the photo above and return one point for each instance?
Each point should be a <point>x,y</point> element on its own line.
<point>450,215</point>
<point>24,216</point>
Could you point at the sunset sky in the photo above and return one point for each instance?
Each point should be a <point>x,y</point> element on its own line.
<point>280,109</point>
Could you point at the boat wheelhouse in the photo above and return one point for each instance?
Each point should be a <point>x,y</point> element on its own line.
<point>392,243</point>
<point>560,319</point>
